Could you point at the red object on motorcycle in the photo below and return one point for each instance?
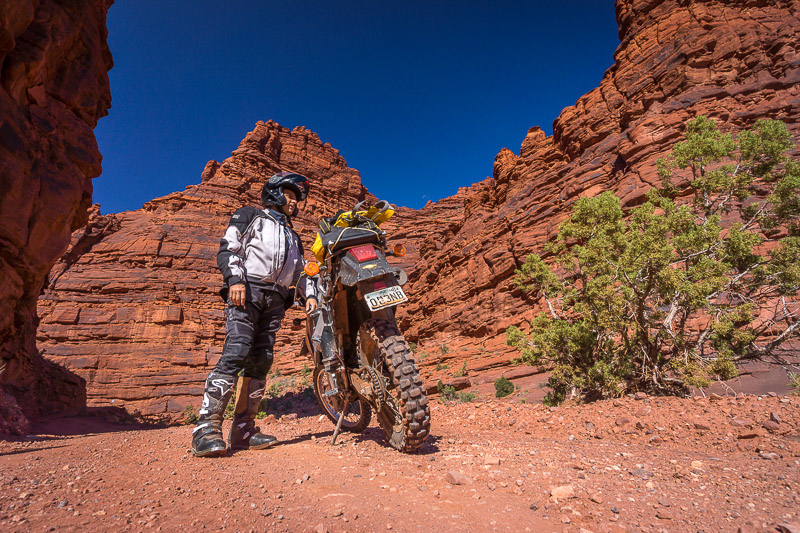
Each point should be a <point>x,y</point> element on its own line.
<point>378,285</point>
<point>364,253</point>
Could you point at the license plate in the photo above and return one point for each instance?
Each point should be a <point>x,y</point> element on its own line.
<point>385,298</point>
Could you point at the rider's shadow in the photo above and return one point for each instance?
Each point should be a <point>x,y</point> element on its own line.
<point>296,404</point>
<point>375,434</point>
<point>304,405</point>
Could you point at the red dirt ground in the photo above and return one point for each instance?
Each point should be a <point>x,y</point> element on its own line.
<point>650,464</point>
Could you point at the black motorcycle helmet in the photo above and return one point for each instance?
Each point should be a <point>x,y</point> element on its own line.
<point>272,191</point>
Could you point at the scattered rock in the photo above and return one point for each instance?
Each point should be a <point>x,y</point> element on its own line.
<point>775,417</point>
<point>641,473</point>
<point>788,527</point>
<point>663,514</point>
<point>596,497</point>
<point>615,510</point>
<point>701,426</point>
<point>321,528</point>
<point>622,421</point>
<point>771,425</point>
<point>640,396</point>
<point>644,410</point>
<point>489,460</point>
<point>663,502</point>
<point>769,456</point>
<point>748,435</point>
<point>564,492</point>
<point>742,422</point>
<point>457,478</point>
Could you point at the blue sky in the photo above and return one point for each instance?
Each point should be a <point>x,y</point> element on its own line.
<point>418,96</point>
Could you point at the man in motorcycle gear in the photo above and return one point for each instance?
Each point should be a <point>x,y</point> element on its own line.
<point>261,258</point>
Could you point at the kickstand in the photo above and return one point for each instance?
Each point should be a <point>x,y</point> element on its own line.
<point>336,431</point>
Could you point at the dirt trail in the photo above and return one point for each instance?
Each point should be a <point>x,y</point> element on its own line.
<point>652,464</point>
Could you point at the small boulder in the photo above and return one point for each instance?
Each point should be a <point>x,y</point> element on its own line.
<point>564,492</point>
<point>457,478</point>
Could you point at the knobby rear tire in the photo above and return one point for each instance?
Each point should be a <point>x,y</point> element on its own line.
<point>406,429</point>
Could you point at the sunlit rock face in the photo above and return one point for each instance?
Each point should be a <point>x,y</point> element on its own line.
<point>733,61</point>
<point>54,63</point>
<point>132,308</point>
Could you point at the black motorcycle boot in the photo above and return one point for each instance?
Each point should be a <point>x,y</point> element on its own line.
<point>207,438</point>
<point>244,433</point>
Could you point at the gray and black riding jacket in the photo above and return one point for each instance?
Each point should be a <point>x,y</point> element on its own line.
<point>261,247</point>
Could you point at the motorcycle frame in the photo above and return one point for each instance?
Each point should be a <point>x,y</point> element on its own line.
<point>343,291</point>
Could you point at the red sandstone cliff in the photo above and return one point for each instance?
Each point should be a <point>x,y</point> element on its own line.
<point>733,61</point>
<point>54,87</point>
<point>132,308</point>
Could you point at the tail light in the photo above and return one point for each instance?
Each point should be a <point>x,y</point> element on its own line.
<point>378,285</point>
<point>364,253</point>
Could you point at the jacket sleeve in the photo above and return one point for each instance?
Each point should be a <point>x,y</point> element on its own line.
<point>230,257</point>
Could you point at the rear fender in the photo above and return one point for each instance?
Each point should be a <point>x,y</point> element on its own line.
<point>351,271</point>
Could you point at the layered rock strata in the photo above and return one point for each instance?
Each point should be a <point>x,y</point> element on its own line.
<point>133,307</point>
<point>733,61</point>
<point>54,87</point>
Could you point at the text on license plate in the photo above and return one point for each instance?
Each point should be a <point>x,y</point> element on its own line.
<point>385,298</point>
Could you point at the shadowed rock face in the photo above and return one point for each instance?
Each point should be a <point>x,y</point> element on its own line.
<point>54,87</point>
<point>133,306</point>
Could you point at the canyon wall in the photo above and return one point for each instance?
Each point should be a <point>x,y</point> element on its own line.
<point>132,307</point>
<point>734,61</point>
<point>54,87</point>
